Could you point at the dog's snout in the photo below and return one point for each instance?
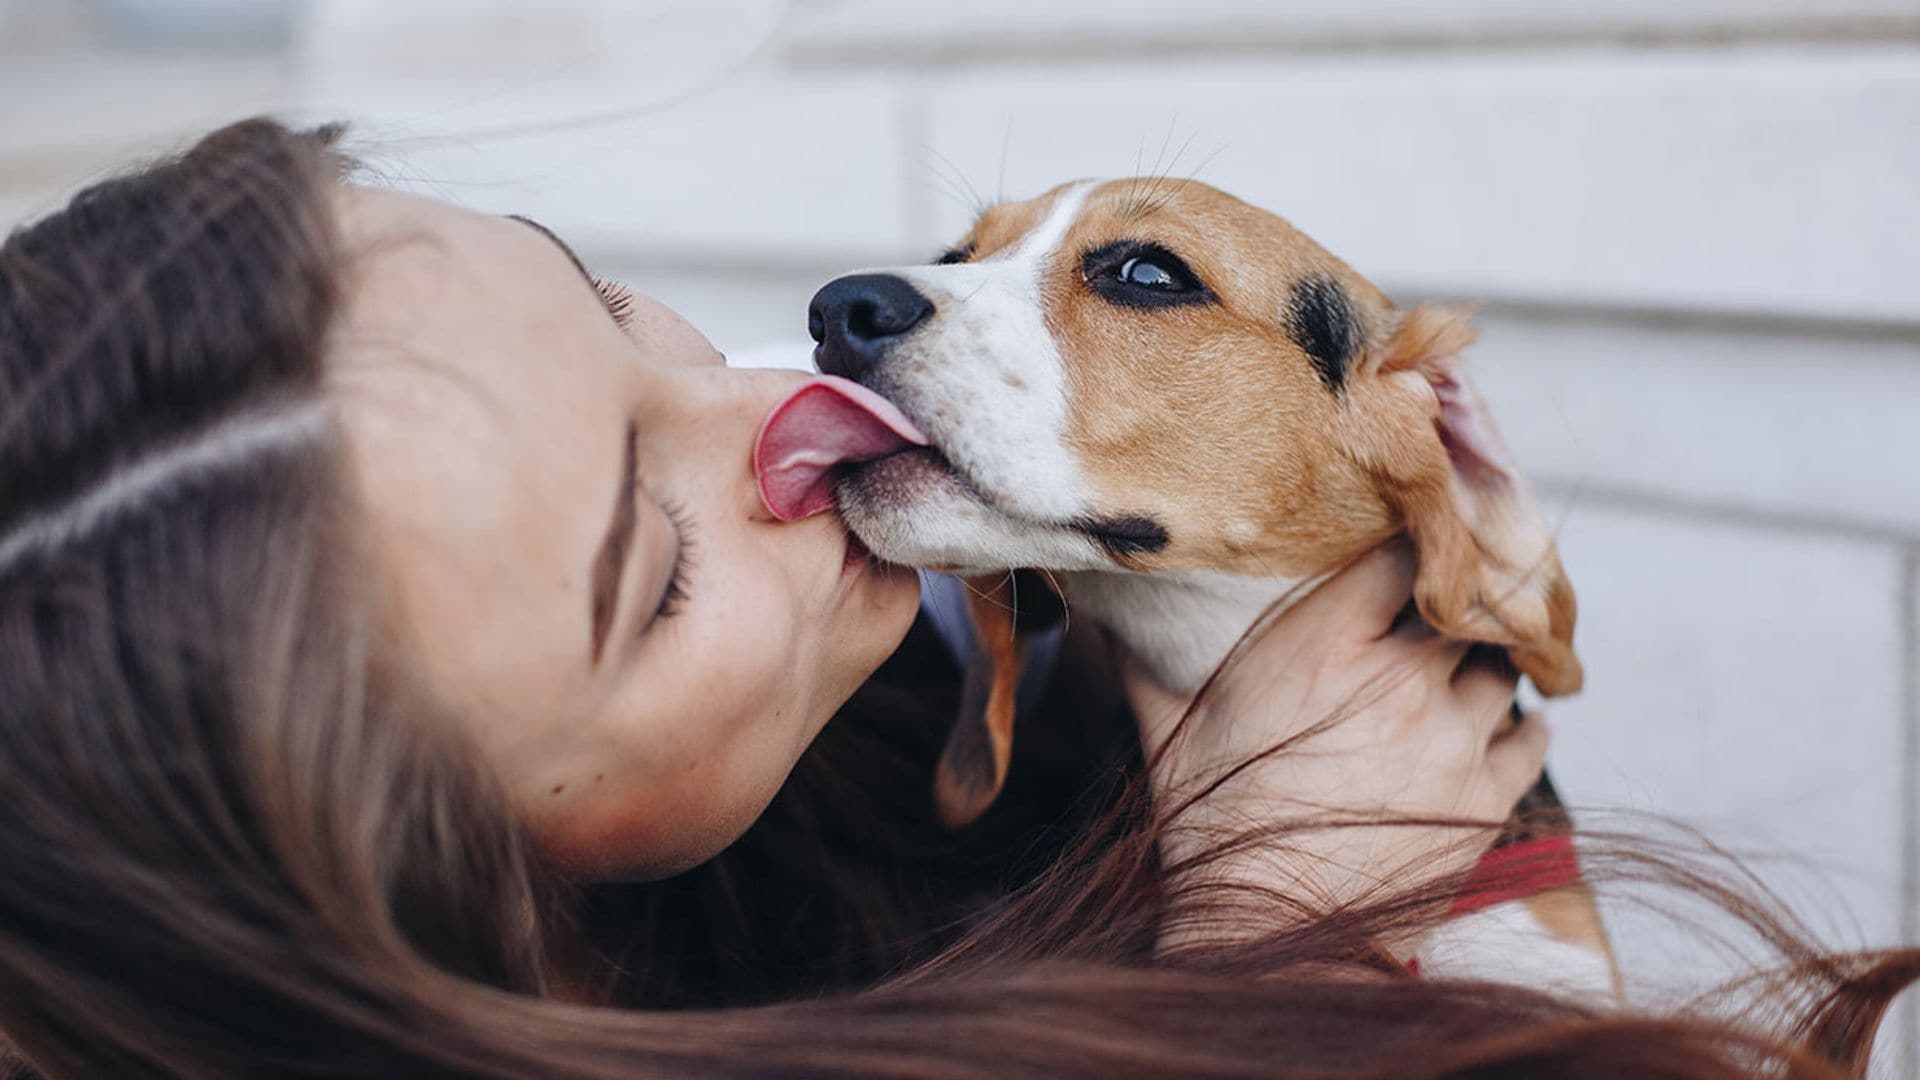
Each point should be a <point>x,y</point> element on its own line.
<point>854,319</point>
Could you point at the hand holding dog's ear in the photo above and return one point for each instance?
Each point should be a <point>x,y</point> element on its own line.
<point>1489,569</point>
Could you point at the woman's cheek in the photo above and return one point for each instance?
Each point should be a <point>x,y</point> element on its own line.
<point>749,650</point>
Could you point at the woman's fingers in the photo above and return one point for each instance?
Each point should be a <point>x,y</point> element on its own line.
<point>1484,684</point>
<point>1350,610</point>
<point>1155,708</point>
<point>1367,595</point>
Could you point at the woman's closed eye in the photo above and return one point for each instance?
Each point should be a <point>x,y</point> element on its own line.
<point>673,598</point>
<point>618,299</point>
<point>609,565</point>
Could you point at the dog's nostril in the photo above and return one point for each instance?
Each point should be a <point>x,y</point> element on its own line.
<point>816,324</point>
<point>864,320</point>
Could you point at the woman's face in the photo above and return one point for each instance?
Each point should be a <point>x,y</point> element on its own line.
<point>570,544</point>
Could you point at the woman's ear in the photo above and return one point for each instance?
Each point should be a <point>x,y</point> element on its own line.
<point>1488,567</point>
<point>1006,610</point>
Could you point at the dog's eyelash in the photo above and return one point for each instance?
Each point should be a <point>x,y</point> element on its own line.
<point>674,598</point>
<point>618,300</point>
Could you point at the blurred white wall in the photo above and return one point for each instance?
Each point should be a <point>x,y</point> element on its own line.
<point>1694,224</point>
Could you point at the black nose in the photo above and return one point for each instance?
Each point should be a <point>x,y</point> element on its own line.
<point>856,318</point>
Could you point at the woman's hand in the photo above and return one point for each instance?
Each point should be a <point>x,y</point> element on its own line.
<point>1378,719</point>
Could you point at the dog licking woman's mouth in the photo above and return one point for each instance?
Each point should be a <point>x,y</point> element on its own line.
<point>809,438</point>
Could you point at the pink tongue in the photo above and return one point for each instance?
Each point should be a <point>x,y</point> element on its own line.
<point>829,421</point>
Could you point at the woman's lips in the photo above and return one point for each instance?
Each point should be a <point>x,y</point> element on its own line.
<point>856,557</point>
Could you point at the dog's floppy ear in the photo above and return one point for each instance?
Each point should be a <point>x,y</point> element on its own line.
<point>1006,609</point>
<point>1488,567</point>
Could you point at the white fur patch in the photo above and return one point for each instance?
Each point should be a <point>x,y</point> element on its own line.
<point>1181,625</point>
<point>985,379</point>
<point>909,514</point>
<point>1506,943</point>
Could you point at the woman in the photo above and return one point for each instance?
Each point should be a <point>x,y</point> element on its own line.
<point>389,622</point>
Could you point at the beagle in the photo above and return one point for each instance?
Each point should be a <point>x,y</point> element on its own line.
<point>1186,412</point>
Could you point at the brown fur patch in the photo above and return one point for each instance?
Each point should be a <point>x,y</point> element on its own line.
<point>1570,915</point>
<point>973,766</point>
<point>1211,419</point>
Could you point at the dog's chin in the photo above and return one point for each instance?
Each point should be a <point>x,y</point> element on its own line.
<point>913,508</point>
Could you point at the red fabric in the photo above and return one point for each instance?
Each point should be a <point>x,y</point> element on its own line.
<point>1519,870</point>
<point>1514,872</point>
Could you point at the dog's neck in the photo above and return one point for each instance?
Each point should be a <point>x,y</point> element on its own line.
<point>1180,625</point>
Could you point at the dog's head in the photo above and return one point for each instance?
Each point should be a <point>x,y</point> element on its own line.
<point>1152,375</point>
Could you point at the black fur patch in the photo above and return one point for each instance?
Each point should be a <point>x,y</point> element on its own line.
<point>1321,319</point>
<point>1035,605</point>
<point>1127,536</point>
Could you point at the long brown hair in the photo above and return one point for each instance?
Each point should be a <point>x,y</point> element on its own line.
<point>237,841</point>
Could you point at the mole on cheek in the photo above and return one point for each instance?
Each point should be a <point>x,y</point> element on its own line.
<point>558,788</point>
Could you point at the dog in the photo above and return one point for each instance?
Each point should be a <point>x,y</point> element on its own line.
<point>1185,411</point>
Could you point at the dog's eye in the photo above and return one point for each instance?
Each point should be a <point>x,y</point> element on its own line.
<point>955,255</point>
<point>1138,274</point>
<point>1147,274</point>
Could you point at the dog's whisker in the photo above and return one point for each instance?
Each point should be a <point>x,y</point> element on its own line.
<point>979,204</point>
<point>1013,591</point>
<point>1168,190</point>
<point>939,186</point>
<point>939,168</point>
<point>1000,184</point>
<point>1163,190</point>
<point>955,185</point>
<point>1066,609</point>
<point>986,596</point>
<point>1194,176</point>
<point>1147,181</point>
<point>1166,141</point>
<point>1133,180</point>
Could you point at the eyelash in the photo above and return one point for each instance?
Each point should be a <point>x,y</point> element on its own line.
<point>618,299</point>
<point>675,596</point>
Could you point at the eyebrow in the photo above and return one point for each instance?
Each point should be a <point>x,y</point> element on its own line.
<point>611,558</point>
<point>610,561</point>
<point>559,243</point>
